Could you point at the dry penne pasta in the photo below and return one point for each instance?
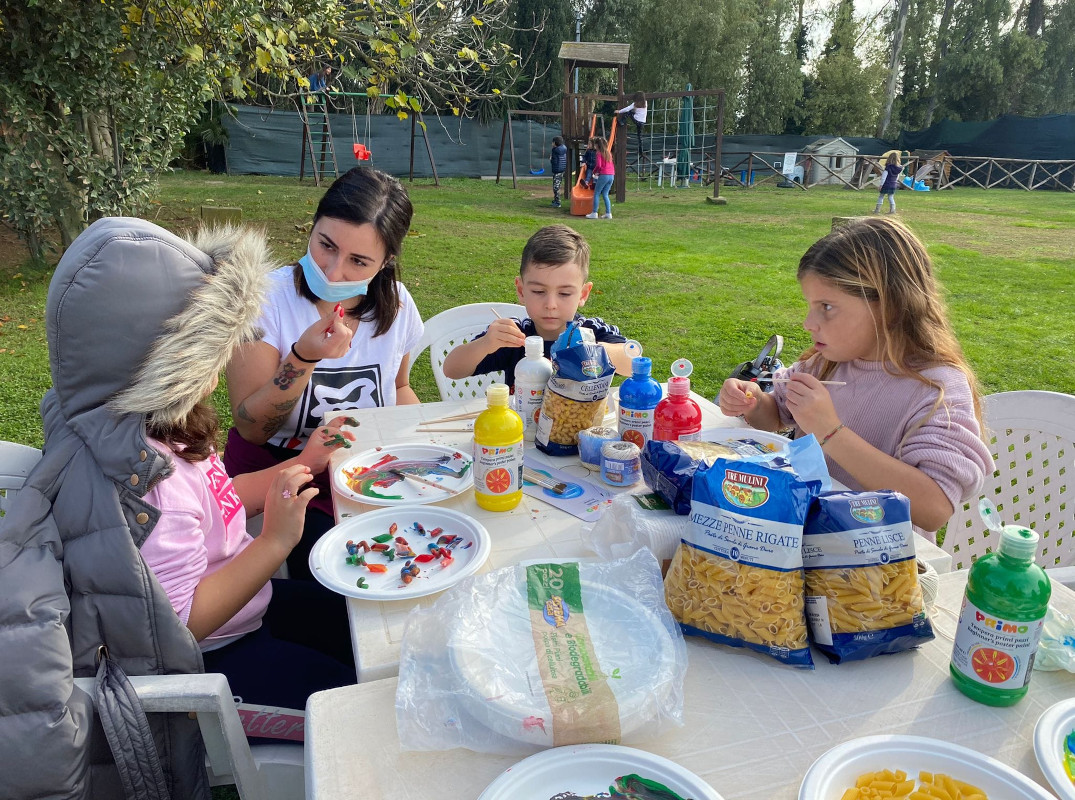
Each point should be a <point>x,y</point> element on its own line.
<point>862,575</point>
<point>930,786</point>
<point>868,598</point>
<point>721,596</point>
<point>566,417</point>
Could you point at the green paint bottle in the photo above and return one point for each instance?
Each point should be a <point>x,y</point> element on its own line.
<point>1001,621</point>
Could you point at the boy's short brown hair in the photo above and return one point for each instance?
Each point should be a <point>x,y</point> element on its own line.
<point>554,245</point>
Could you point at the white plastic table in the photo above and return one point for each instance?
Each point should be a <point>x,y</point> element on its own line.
<point>752,727</point>
<point>532,530</point>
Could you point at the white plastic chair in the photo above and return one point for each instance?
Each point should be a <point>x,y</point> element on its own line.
<point>274,771</point>
<point>1032,440</point>
<point>453,327</point>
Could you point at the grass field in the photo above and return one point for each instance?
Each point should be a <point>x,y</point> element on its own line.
<point>686,278</point>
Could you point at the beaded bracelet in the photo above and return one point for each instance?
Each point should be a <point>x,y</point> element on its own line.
<point>317,360</point>
<point>832,433</point>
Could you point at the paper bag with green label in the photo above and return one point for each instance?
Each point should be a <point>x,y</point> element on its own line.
<point>542,655</point>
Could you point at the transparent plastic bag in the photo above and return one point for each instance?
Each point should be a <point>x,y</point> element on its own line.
<point>1057,647</point>
<point>610,669</point>
<point>633,521</point>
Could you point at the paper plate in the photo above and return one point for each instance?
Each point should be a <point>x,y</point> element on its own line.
<point>837,770</point>
<point>772,440</point>
<point>1055,727</point>
<point>495,660</point>
<point>365,477</point>
<point>589,769</point>
<point>328,558</point>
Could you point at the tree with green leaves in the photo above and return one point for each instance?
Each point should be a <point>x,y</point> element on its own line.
<point>843,101</point>
<point>541,26</point>
<point>97,96</point>
<point>772,71</point>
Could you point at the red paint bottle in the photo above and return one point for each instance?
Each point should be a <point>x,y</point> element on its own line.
<point>677,416</point>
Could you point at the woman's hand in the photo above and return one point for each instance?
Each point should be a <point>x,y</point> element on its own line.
<point>738,398</point>
<point>811,404</point>
<point>285,506</point>
<point>329,337</point>
<point>325,441</point>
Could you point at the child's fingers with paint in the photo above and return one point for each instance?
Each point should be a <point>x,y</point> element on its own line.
<point>737,397</point>
<point>326,440</point>
<point>810,404</point>
<point>285,505</point>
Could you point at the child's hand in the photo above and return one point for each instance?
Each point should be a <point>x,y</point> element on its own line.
<point>738,397</point>
<point>325,441</point>
<point>329,337</point>
<point>285,506</point>
<point>504,333</point>
<point>811,404</point>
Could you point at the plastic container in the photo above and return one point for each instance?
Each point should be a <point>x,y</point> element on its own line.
<point>677,416</point>
<point>531,377</point>
<point>1001,621</point>
<point>639,396</point>
<point>498,453</point>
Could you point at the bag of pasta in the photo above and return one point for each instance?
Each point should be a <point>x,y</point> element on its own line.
<point>737,578</point>
<point>862,593</point>
<point>575,396</point>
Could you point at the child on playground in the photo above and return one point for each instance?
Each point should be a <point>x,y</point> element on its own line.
<point>889,183</point>
<point>558,163</point>
<point>553,283</point>
<point>885,387</point>
<point>589,159</point>
<point>605,173</point>
<point>638,110</point>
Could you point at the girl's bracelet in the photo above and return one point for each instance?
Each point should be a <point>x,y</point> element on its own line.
<point>318,360</point>
<point>832,433</point>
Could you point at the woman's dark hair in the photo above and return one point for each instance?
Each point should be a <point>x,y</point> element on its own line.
<point>363,195</point>
<point>195,436</point>
<point>639,100</point>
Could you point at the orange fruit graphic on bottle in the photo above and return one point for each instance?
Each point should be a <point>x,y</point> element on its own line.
<point>634,437</point>
<point>498,480</point>
<point>992,666</point>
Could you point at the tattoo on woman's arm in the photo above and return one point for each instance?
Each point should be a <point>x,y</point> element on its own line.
<point>287,375</point>
<point>243,414</point>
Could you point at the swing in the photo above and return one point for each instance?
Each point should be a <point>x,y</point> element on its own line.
<point>361,152</point>
<point>530,160</point>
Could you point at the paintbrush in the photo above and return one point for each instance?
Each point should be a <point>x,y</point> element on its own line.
<point>788,380</point>
<point>544,481</point>
<point>401,474</point>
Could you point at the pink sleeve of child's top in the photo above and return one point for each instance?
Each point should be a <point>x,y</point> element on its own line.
<point>175,549</point>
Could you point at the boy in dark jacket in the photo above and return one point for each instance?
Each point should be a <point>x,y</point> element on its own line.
<point>558,162</point>
<point>589,159</point>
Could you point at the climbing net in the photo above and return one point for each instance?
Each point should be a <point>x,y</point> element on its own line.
<point>676,143</point>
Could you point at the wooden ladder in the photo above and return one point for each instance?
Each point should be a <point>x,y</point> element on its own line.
<point>317,140</point>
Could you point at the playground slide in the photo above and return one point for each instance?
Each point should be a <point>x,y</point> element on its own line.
<point>582,196</point>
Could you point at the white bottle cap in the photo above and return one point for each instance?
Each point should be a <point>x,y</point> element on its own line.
<point>535,347</point>
<point>682,368</point>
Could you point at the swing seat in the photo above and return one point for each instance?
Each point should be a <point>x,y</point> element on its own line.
<point>537,171</point>
<point>361,153</point>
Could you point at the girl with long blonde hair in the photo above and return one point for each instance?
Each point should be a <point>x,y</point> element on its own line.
<point>899,407</point>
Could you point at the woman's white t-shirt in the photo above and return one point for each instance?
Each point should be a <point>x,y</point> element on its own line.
<point>364,378</point>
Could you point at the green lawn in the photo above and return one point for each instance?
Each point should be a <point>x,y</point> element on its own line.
<point>684,277</point>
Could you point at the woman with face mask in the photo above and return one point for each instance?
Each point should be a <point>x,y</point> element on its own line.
<point>335,334</point>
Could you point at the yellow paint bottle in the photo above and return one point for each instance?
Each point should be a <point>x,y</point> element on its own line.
<point>498,453</point>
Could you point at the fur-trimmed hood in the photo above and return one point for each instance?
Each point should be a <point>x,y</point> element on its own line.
<point>145,321</point>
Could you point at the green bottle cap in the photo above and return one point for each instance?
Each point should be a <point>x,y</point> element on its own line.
<point>1019,542</point>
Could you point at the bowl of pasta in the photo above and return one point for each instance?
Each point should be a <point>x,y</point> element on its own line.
<point>906,764</point>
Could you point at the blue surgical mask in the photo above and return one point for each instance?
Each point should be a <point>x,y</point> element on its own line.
<point>327,290</point>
